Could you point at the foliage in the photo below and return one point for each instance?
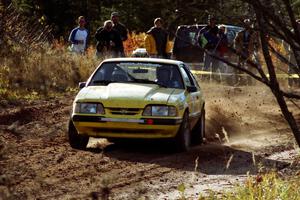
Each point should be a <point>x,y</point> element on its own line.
<point>269,186</point>
<point>137,15</point>
<point>135,40</point>
<point>45,70</point>
<point>266,187</point>
<point>181,188</point>
<point>49,68</point>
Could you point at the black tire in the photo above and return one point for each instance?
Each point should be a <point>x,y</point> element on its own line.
<point>198,133</point>
<point>76,141</point>
<point>183,137</point>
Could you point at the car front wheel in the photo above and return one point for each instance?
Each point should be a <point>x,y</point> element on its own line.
<point>183,137</point>
<point>198,132</point>
<point>76,141</point>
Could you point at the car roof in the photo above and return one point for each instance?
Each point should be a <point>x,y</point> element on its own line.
<point>229,26</point>
<point>152,60</point>
<point>203,25</point>
<point>192,26</point>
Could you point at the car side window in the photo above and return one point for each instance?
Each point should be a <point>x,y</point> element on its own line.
<point>186,77</point>
<point>192,79</point>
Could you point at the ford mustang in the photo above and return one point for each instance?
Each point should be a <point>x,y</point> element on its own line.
<point>143,98</point>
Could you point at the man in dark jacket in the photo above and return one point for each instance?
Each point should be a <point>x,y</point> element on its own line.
<point>208,39</point>
<point>156,40</point>
<point>121,29</point>
<point>109,41</point>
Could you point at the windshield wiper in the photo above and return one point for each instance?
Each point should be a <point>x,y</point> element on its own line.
<point>149,81</point>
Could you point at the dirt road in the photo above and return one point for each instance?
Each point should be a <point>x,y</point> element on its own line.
<point>246,134</point>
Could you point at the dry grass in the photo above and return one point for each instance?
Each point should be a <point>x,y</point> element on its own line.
<point>43,70</point>
<point>49,67</point>
<point>34,64</point>
<point>266,187</point>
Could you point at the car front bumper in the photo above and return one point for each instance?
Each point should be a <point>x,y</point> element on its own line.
<point>98,126</point>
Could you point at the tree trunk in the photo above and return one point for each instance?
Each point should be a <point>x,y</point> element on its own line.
<point>287,115</point>
<point>274,85</point>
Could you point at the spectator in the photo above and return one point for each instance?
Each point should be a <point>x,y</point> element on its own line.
<point>156,40</point>
<point>121,29</point>
<point>222,48</point>
<point>223,43</point>
<point>109,41</point>
<point>208,38</point>
<point>78,37</point>
<point>293,81</point>
<point>245,42</point>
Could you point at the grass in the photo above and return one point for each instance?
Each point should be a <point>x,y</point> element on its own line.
<point>270,186</point>
<point>43,71</point>
<point>47,68</point>
<point>265,187</point>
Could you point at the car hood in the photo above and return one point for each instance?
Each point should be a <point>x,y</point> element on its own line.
<point>132,95</point>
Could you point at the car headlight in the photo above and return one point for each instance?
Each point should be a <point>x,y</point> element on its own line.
<point>155,110</point>
<point>89,108</point>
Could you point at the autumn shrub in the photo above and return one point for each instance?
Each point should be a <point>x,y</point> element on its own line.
<point>135,40</point>
<point>33,62</point>
<point>45,69</point>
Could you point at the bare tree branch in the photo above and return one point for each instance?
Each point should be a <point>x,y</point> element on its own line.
<point>239,67</point>
<point>282,58</point>
<point>290,95</point>
<point>292,19</point>
<point>279,23</point>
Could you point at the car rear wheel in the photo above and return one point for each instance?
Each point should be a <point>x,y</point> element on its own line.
<point>75,140</point>
<point>183,137</point>
<point>198,132</point>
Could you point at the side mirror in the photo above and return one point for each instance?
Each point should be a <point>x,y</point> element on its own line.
<point>191,89</point>
<point>81,84</point>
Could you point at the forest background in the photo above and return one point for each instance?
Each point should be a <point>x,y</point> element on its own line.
<point>137,15</point>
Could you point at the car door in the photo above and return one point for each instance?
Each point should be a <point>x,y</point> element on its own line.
<point>193,97</point>
<point>199,96</point>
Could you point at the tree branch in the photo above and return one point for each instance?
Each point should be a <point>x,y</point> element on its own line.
<point>257,5</point>
<point>263,80</point>
<point>290,95</point>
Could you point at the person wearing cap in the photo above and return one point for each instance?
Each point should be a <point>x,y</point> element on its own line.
<point>245,43</point>
<point>121,29</point>
<point>222,49</point>
<point>209,40</point>
<point>109,41</point>
<point>156,40</point>
<point>292,80</point>
<point>78,37</point>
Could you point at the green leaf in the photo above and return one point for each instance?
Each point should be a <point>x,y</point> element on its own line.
<point>181,188</point>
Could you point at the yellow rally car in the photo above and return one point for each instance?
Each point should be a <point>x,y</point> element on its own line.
<point>139,98</point>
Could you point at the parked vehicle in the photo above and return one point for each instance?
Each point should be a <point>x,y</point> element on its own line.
<point>139,98</point>
<point>186,47</point>
<point>231,32</point>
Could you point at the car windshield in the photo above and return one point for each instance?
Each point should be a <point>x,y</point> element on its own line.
<point>231,32</point>
<point>164,75</point>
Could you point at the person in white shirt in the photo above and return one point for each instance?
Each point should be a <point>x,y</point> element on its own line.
<point>78,37</point>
